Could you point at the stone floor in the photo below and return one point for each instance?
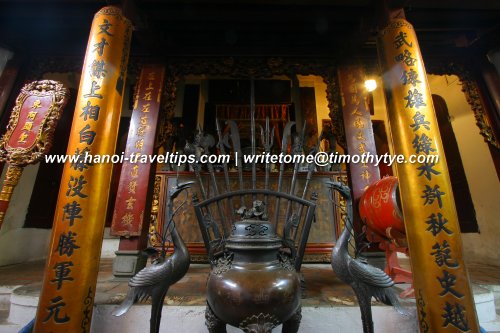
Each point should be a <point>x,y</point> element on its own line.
<point>322,286</point>
<point>325,296</point>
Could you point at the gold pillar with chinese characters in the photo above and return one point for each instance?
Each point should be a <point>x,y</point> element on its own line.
<point>442,289</point>
<point>66,300</point>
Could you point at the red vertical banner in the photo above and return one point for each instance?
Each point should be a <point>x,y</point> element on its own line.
<point>358,128</point>
<point>358,132</point>
<point>130,205</point>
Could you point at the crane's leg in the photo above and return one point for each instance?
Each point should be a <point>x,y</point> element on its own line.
<point>214,324</point>
<point>365,306</point>
<point>293,323</point>
<point>156,307</point>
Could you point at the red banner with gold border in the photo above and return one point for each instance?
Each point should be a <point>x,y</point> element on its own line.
<point>32,122</point>
<point>130,205</point>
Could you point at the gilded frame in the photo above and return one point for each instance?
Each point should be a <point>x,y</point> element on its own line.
<point>43,141</point>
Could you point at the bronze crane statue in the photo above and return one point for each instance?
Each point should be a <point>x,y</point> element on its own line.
<point>153,281</point>
<point>366,281</point>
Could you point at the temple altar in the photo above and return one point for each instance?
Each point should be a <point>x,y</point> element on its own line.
<point>327,225</point>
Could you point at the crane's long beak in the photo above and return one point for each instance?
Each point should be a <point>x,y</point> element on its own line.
<point>185,185</point>
<point>333,184</point>
<point>343,189</point>
<point>175,191</point>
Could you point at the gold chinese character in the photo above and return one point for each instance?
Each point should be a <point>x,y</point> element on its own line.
<point>141,130</point>
<point>150,85</point>
<point>132,186</point>
<point>360,136</point>
<point>145,108</point>
<point>147,96</point>
<point>32,115</point>
<point>151,76</point>
<point>139,144</point>
<point>353,89</point>
<point>355,99</point>
<point>362,148</point>
<point>36,104</point>
<point>364,165</point>
<point>28,126</point>
<point>144,120</point>
<point>358,123</point>
<point>356,111</point>
<point>127,219</point>
<point>130,203</point>
<point>22,137</point>
<point>366,175</point>
<point>135,171</point>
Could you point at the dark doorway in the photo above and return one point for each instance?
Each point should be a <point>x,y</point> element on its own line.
<point>382,146</point>
<point>463,200</point>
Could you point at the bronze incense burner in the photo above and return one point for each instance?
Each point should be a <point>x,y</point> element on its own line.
<point>256,255</point>
<point>254,283</point>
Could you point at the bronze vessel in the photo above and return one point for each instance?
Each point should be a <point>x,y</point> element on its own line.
<point>256,255</point>
<point>253,286</point>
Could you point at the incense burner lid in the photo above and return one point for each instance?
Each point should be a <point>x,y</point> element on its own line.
<point>253,234</point>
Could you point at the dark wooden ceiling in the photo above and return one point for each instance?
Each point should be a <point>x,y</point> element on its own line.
<point>339,28</point>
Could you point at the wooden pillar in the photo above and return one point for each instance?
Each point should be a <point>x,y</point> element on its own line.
<point>359,135</point>
<point>442,289</point>
<point>7,80</point>
<point>67,297</point>
<point>492,81</point>
<point>295,95</point>
<point>133,200</point>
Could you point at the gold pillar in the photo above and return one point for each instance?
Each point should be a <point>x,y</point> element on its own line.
<point>66,300</point>
<point>442,290</point>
